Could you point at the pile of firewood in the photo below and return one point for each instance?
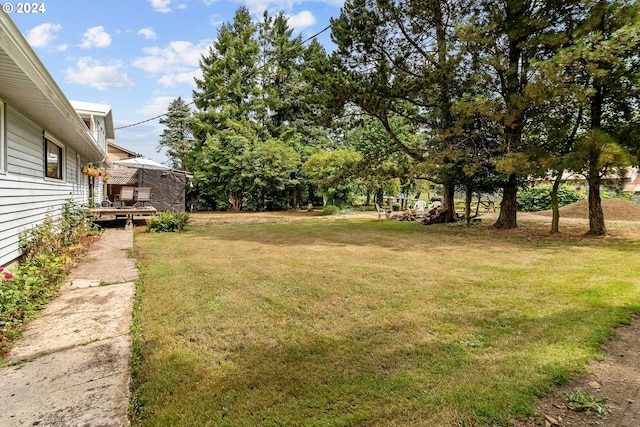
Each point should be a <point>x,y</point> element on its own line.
<point>427,217</point>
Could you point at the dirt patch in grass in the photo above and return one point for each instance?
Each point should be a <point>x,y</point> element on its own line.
<point>613,209</point>
<point>614,380</point>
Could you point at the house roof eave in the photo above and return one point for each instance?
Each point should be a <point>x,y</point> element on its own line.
<point>26,84</point>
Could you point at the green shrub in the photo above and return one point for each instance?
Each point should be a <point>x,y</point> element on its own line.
<point>330,210</point>
<point>620,195</point>
<point>47,251</point>
<point>169,222</point>
<point>53,235</point>
<point>538,198</point>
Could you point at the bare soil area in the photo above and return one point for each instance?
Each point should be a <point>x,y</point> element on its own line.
<point>613,209</point>
<point>615,379</point>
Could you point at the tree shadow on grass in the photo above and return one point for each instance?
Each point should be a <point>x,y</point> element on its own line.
<point>385,374</point>
<point>408,236</point>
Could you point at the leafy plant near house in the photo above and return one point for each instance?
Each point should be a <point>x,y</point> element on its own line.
<point>54,235</point>
<point>47,253</point>
<point>169,222</point>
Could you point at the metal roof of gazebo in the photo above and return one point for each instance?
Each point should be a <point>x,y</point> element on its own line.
<point>122,176</point>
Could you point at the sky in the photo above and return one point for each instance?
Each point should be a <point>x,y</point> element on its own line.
<point>139,55</point>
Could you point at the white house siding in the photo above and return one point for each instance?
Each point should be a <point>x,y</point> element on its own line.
<point>27,198</point>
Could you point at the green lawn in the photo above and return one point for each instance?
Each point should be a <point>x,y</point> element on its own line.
<point>362,322</point>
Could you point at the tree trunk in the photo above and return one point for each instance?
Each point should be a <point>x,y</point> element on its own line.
<point>236,200</point>
<point>555,220</point>
<point>508,207</point>
<point>379,197</point>
<point>596,216</point>
<point>467,204</point>
<point>449,204</point>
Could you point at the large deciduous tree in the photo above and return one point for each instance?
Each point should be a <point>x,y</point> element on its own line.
<point>400,58</point>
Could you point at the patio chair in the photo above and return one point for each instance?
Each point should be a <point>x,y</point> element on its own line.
<point>382,211</point>
<point>419,206</point>
<point>126,195</point>
<point>143,195</point>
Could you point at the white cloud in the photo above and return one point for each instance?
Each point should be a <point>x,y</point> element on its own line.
<point>156,106</point>
<point>161,6</point>
<point>148,33</point>
<point>62,47</point>
<point>177,63</point>
<point>92,72</point>
<point>216,20</point>
<point>334,3</point>
<point>43,34</point>
<point>301,20</point>
<point>174,79</point>
<point>96,37</point>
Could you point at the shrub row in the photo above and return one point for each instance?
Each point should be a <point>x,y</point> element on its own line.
<point>538,198</point>
<point>47,251</point>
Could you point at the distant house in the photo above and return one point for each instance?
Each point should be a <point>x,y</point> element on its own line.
<point>44,142</point>
<point>117,153</point>
<point>633,183</point>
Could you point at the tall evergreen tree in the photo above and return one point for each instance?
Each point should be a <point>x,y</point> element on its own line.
<point>280,73</point>
<point>605,70</point>
<point>177,139</point>
<point>503,38</point>
<point>230,77</point>
<point>250,103</point>
<point>224,124</point>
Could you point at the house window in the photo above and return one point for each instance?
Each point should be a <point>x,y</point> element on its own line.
<point>53,160</point>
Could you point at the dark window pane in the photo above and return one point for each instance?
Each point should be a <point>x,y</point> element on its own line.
<point>54,161</point>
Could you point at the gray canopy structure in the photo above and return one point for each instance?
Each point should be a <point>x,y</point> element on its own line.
<point>168,186</point>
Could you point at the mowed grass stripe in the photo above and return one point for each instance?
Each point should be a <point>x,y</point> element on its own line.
<point>360,322</point>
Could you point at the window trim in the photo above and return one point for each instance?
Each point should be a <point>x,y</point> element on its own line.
<point>3,138</point>
<point>78,169</point>
<point>61,163</point>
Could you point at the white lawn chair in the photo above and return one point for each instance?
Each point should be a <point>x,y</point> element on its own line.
<point>382,211</point>
<point>419,206</point>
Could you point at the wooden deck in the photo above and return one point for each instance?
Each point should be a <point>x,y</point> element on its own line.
<point>128,213</point>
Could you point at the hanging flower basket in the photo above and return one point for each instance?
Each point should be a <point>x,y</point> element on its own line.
<point>94,171</point>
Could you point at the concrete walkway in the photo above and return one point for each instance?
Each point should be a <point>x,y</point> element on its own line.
<point>71,366</point>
